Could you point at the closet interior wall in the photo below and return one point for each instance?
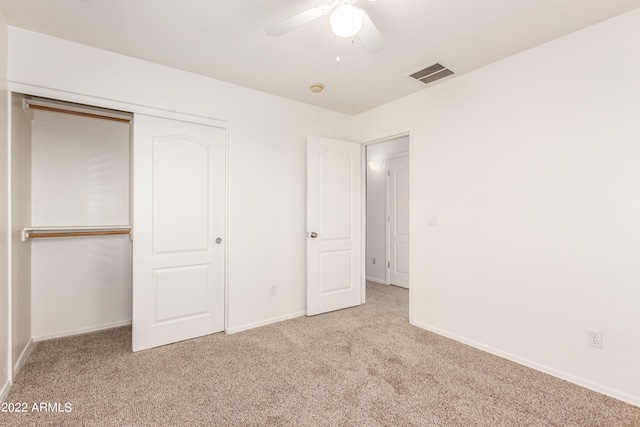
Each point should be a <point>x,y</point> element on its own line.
<point>79,178</point>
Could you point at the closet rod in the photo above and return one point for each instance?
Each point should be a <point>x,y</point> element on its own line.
<point>76,233</point>
<point>78,113</point>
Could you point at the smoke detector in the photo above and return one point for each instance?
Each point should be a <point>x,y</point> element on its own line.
<point>317,87</point>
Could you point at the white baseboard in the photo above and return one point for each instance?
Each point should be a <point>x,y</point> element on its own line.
<point>22,358</point>
<point>371,279</point>
<point>80,331</point>
<point>617,394</point>
<point>265,322</point>
<point>4,390</point>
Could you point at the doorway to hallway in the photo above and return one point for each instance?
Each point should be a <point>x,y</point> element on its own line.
<point>387,208</point>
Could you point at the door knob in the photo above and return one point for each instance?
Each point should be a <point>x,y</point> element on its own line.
<point>218,241</point>
<point>313,234</point>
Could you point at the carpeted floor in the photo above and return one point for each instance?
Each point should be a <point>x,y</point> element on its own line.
<point>364,366</point>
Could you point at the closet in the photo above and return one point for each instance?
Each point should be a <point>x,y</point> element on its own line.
<point>74,174</point>
<point>94,248</point>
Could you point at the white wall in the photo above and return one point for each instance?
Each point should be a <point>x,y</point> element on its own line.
<point>532,166</point>
<point>20,218</point>
<point>5,345</point>
<point>267,146</point>
<point>377,206</point>
<point>79,177</point>
<point>79,284</point>
<point>80,171</point>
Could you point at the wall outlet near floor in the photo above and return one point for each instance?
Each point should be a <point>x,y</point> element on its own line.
<point>274,290</point>
<point>594,338</point>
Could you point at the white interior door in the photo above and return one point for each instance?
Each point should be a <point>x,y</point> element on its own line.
<point>178,230</point>
<point>399,221</point>
<point>334,241</point>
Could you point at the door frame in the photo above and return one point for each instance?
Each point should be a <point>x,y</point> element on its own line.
<point>134,108</point>
<point>366,142</point>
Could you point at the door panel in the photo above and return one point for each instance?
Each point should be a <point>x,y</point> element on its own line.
<point>334,271</point>
<point>179,211</point>
<point>399,221</point>
<point>177,230</point>
<point>334,257</point>
<point>181,292</point>
<point>334,171</point>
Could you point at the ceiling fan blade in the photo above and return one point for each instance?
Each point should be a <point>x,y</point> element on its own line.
<point>370,36</point>
<point>295,21</point>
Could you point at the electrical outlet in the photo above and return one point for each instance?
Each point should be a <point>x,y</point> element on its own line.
<point>274,290</point>
<point>594,338</point>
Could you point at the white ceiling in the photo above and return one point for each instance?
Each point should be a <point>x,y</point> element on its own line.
<point>226,39</point>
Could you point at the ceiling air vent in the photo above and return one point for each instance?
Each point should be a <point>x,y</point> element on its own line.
<point>432,73</point>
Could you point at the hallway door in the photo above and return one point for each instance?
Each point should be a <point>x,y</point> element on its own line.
<point>399,221</point>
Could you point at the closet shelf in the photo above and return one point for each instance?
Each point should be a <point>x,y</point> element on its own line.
<point>73,231</point>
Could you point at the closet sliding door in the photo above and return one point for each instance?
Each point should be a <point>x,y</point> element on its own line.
<point>178,230</point>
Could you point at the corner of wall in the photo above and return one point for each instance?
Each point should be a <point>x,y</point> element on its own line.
<point>4,389</point>
<point>24,355</point>
<point>5,324</point>
<point>20,216</point>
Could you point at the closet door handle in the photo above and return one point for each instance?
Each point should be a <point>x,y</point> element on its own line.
<point>218,241</point>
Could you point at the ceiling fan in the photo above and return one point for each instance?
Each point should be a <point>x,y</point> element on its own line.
<point>346,21</point>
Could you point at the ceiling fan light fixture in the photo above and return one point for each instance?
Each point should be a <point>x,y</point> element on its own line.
<point>346,20</point>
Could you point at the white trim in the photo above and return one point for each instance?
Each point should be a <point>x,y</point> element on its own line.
<point>81,331</point>
<point>4,391</point>
<point>625,397</point>
<point>388,136</point>
<point>387,224</point>
<point>412,238</point>
<point>363,223</point>
<point>23,358</point>
<point>226,229</point>
<point>114,104</point>
<point>371,279</point>
<point>254,325</point>
<point>8,243</point>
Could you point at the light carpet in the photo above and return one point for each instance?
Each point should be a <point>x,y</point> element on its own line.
<point>365,366</point>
